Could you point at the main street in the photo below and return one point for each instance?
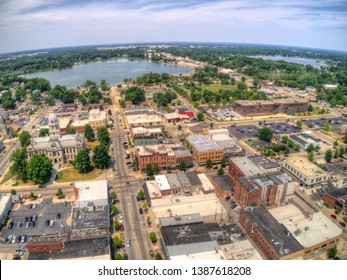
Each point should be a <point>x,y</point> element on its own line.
<point>127,186</point>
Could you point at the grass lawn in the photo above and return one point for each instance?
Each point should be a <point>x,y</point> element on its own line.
<point>7,177</point>
<point>217,88</point>
<point>71,175</point>
<point>91,145</point>
<point>325,133</point>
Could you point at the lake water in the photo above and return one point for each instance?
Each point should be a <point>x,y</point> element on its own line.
<point>300,60</point>
<point>113,71</point>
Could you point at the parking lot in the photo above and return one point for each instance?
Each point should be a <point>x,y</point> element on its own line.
<point>282,128</point>
<point>45,211</point>
<point>320,123</point>
<point>243,131</point>
<point>224,114</point>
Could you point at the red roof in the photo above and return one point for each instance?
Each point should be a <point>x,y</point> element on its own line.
<point>187,113</point>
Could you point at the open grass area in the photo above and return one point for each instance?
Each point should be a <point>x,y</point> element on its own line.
<point>7,177</point>
<point>72,175</point>
<point>92,145</point>
<point>325,133</point>
<point>217,88</point>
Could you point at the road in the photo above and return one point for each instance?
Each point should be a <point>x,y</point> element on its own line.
<point>127,187</point>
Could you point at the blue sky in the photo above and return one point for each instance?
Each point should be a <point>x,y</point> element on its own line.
<point>34,24</point>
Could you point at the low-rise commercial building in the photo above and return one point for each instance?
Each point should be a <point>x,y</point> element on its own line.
<point>163,185</point>
<point>64,123</point>
<point>5,205</point>
<point>242,166</point>
<point>97,119</point>
<point>223,185</point>
<point>222,138</point>
<point>79,126</point>
<point>207,186</point>
<point>307,173</point>
<point>144,120</point>
<point>203,149</point>
<point>337,198</point>
<point>175,117</point>
<point>91,193</point>
<point>305,140</point>
<point>138,132</point>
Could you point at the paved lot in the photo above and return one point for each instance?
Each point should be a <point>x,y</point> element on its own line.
<point>243,131</point>
<point>44,211</point>
<point>282,128</point>
<point>320,123</point>
<point>224,113</point>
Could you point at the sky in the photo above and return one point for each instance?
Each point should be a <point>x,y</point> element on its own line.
<point>37,24</point>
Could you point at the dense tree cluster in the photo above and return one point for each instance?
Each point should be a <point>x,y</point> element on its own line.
<point>152,78</point>
<point>135,94</point>
<point>163,99</point>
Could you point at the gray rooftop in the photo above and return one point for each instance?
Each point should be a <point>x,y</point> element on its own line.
<point>224,182</point>
<point>275,233</point>
<point>246,166</point>
<point>194,248</point>
<point>181,152</point>
<point>193,178</point>
<point>202,143</point>
<point>181,220</point>
<point>184,179</point>
<point>87,218</point>
<point>173,180</point>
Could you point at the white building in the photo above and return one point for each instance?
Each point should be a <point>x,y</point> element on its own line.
<point>5,205</point>
<point>306,139</point>
<point>91,193</point>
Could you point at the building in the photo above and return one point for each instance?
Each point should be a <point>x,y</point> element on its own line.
<point>265,165</point>
<point>337,198</point>
<point>175,117</point>
<point>305,171</point>
<point>266,189</point>
<point>140,132</point>
<point>6,131</point>
<point>316,233</point>
<point>5,205</point>
<point>64,123</point>
<point>163,185</point>
<point>70,107</point>
<point>200,128</point>
<point>59,148</point>
<point>222,138</point>
<point>79,126</point>
<point>97,119</point>
<point>269,107</point>
<point>305,140</point>
<point>91,193</point>
<point>207,186</point>
<point>203,149</point>
<point>2,146</point>
<point>270,237</point>
<point>223,185</point>
<point>242,166</point>
<point>144,120</point>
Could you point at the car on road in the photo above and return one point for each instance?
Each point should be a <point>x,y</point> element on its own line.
<point>19,225</point>
<point>58,216</point>
<point>51,223</point>
<point>140,211</point>
<point>47,223</point>
<point>125,256</point>
<point>16,257</point>
<point>26,219</point>
<point>30,206</point>
<point>302,190</point>
<point>23,238</point>
<point>121,227</point>
<point>333,216</point>
<point>343,224</point>
<point>10,225</point>
<point>128,242</point>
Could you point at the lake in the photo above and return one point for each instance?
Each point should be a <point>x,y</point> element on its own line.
<point>300,60</point>
<point>113,71</point>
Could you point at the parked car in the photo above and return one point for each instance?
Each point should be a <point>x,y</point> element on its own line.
<point>23,238</point>
<point>30,206</point>
<point>34,218</point>
<point>343,224</point>
<point>128,242</point>
<point>58,216</point>
<point>333,216</point>
<point>140,211</point>
<point>33,223</point>
<point>151,253</point>
<point>9,239</point>
<point>47,223</point>
<point>51,223</point>
<point>19,225</point>
<point>16,257</point>
<point>26,219</point>
<point>121,227</point>
<point>10,225</point>
<point>30,219</point>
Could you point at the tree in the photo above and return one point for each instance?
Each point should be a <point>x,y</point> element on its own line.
<point>13,192</point>
<point>209,163</point>
<point>39,169</point>
<point>113,195</point>
<point>103,136</point>
<point>223,162</point>
<point>119,257</point>
<point>82,162</point>
<point>336,154</point>
<point>298,123</point>
<point>158,257</point>
<point>265,134</point>
<point>135,165</point>
<point>104,86</point>
<point>345,139</point>
<point>31,195</point>
<point>328,155</point>
<point>153,237</point>
<point>141,195</point>
<point>59,193</point>
<point>156,169</point>
<point>327,127</point>
<point>70,130</point>
<point>310,156</point>
<point>89,133</point>
<point>43,132</point>
<point>122,103</point>
<point>310,108</point>
<point>220,171</point>
<point>336,143</point>
<point>19,163</point>
<point>117,242</point>
<point>200,116</point>
<point>114,209</point>
<point>182,166</point>
<point>101,158</point>
<point>116,225</point>
<point>310,148</point>
<point>149,170</point>
<point>135,95</point>
<point>145,206</point>
<point>24,138</point>
<point>332,252</point>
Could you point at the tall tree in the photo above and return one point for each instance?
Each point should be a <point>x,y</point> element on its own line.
<point>156,169</point>
<point>182,166</point>
<point>209,163</point>
<point>70,130</point>
<point>328,155</point>
<point>149,170</point>
<point>265,134</point>
<point>39,169</point>
<point>103,136</point>
<point>89,133</point>
<point>24,138</point>
<point>82,162</point>
<point>200,116</point>
<point>101,158</point>
<point>19,163</point>
<point>43,132</point>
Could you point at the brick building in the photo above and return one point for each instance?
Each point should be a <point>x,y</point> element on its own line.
<point>223,185</point>
<point>242,166</point>
<point>337,198</point>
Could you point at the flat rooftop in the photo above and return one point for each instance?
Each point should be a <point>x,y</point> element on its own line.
<point>202,143</point>
<point>224,182</point>
<point>180,152</point>
<point>162,182</point>
<point>247,167</point>
<point>306,167</point>
<point>308,231</point>
<point>86,218</point>
<point>181,220</point>
<point>195,249</point>
<point>253,102</point>
<point>173,180</point>
<point>193,178</point>
<point>274,232</point>
<point>64,122</point>
<point>206,184</point>
<point>92,190</point>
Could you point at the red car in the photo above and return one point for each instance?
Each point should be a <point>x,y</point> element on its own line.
<point>333,216</point>
<point>30,206</point>
<point>121,227</point>
<point>342,224</point>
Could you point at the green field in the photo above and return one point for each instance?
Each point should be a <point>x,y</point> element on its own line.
<point>71,175</point>
<point>217,88</point>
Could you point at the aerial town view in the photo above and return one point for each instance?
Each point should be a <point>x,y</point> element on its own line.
<point>173,151</point>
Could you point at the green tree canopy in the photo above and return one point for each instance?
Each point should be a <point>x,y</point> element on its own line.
<point>89,133</point>
<point>327,127</point>
<point>59,193</point>
<point>328,155</point>
<point>156,169</point>
<point>135,95</point>
<point>310,148</point>
<point>298,123</point>
<point>13,192</point>
<point>101,158</point>
<point>149,170</point>
<point>224,162</point>
<point>220,171</point>
<point>265,134</point>
<point>70,130</point>
<point>119,257</point>
<point>141,195</point>
<point>103,136</point>
<point>113,195</point>
<point>209,163</point>
<point>153,237</point>
<point>182,166</point>
<point>117,242</point>
<point>200,116</point>
<point>19,163</point>
<point>43,132</point>
<point>24,138</point>
<point>39,169</point>
<point>158,257</point>
<point>82,162</point>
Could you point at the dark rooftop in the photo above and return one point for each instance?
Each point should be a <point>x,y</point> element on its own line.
<point>224,182</point>
<point>275,233</point>
<point>76,249</point>
<point>193,178</point>
<point>185,234</point>
<point>338,193</point>
<point>212,227</point>
<point>84,218</point>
